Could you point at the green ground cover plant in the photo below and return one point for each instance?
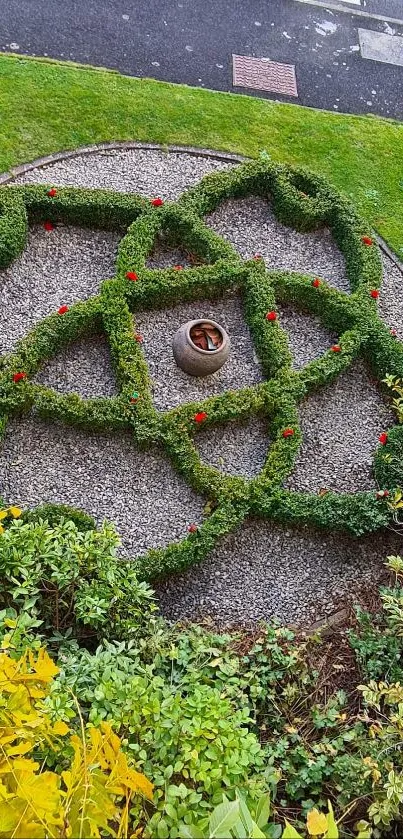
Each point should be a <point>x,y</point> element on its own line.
<point>259,728</point>
<point>299,199</point>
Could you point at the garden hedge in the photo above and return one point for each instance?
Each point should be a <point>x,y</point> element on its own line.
<point>300,200</point>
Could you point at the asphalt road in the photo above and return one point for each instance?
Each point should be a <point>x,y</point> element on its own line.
<point>192,41</point>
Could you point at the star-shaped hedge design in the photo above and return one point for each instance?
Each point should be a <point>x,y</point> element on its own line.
<point>302,201</point>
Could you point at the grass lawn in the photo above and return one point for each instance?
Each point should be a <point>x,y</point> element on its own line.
<point>49,106</point>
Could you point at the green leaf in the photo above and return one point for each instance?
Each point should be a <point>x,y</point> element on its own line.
<point>162,829</point>
<point>246,817</point>
<point>289,832</point>
<point>256,833</point>
<point>190,831</point>
<point>223,819</point>
<point>332,829</point>
<point>263,810</point>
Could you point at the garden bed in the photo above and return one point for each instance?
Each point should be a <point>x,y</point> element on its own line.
<point>263,568</point>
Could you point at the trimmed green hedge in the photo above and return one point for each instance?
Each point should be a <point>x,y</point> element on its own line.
<point>300,200</point>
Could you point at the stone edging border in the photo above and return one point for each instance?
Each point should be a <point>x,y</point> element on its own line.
<point>15,171</point>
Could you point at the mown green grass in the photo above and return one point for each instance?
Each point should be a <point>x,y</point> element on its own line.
<point>49,106</point>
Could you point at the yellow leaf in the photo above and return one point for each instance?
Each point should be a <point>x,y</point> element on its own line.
<point>3,514</point>
<point>10,623</point>
<point>15,512</point>
<point>45,668</point>
<point>21,749</point>
<point>316,823</point>
<point>60,728</point>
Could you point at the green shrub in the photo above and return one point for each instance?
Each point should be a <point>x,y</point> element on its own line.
<point>71,579</point>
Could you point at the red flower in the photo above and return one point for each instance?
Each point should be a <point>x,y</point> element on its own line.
<point>62,310</point>
<point>17,377</point>
<point>48,225</point>
<point>178,267</point>
<point>288,432</point>
<point>336,348</point>
<point>131,275</point>
<point>52,192</point>
<point>366,240</point>
<point>271,316</point>
<point>316,282</point>
<point>383,493</point>
<point>200,416</point>
<point>374,293</point>
<point>393,333</point>
<point>157,202</point>
<point>383,438</point>
<point>139,338</point>
<point>193,528</point>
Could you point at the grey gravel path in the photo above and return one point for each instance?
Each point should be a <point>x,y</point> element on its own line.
<point>237,448</point>
<point>391,296</point>
<point>148,172</point>
<point>250,225</point>
<point>340,424</point>
<point>104,475</point>
<point>59,267</point>
<point>261,570</point>
<point>171,385</point>
<point>307,338</point>
<point>83,367</point>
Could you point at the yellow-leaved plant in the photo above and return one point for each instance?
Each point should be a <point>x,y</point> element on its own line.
<point>92,794</point>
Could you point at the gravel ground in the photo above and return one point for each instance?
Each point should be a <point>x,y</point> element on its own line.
<point>261,571</point>
<point>84,367</point>
<point>149,502</point>
<point>166,257</point>
<point>235,448</point>
<point>58,267</point>
<point>172,386</point>
<point>307,338</point>
<point>391,296</point>
<point>148,172</point>
<point>340,425</point>
<point>251,227</point>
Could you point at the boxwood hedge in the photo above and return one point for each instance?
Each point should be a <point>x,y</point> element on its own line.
<point>300,200</point>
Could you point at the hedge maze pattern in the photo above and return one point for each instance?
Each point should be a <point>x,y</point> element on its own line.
<point>300,200</point>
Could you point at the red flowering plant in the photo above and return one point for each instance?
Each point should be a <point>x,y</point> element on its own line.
<point>200,417</point>
<point>63,310</point>
<point>157,202</point>
<point>131,275</point>
<point>48,225</point>
<point>271,316</point>
<point>52,192</point>
<point>19,377</point>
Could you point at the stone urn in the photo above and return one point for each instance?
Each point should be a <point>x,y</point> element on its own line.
<point>187,347</point>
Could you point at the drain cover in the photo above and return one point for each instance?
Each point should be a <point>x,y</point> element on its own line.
<point>263,74</point>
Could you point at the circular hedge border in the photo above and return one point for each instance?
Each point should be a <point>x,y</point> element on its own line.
<point>300,200</point>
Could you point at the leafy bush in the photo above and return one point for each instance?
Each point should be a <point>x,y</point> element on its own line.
<point>71,579</point>
<point>190,739</point>
<point>93,793</point>
<point>377,639</point>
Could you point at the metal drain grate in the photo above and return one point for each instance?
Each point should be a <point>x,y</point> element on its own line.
<point>263,74</point>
